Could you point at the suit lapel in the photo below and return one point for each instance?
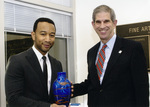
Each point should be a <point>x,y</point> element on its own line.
<point>52,70</point>
<point>92,66</point>
<point>116,52</point>
<point>31,57</point>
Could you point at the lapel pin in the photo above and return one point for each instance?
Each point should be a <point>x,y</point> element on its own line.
<point>120,52</point>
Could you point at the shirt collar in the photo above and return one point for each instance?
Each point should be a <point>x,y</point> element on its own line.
<point>38,54</point>
<point>110,43</point>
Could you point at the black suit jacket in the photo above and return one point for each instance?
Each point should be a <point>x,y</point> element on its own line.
<point>125,83</point>
<point>24,82</point>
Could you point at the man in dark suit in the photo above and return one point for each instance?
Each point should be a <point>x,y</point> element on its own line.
<point>122,79</point>
<point>27,84</point>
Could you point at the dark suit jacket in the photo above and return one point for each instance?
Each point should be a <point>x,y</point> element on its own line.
<point>24,81</point>
<point>125,83</point>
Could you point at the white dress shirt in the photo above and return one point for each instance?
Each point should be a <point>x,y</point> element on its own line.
<point>108,51</point>
<point>39,56</point>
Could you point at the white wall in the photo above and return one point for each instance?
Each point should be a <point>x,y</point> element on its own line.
<point>127,11</point>
<point>85,38</point>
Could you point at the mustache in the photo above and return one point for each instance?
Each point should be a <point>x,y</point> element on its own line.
<point>48,43</point>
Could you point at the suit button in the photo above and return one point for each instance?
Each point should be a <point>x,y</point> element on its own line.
<point>101,90</point>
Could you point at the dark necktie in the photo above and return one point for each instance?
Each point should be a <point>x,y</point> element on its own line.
<point>100,61</point>
<point>45,69</point>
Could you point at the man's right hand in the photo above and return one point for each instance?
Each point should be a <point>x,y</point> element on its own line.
<point>55,105</point>
<point>72,89</point>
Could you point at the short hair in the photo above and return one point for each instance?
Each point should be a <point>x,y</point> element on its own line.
<point>104,8</point>
<point>42,19</point>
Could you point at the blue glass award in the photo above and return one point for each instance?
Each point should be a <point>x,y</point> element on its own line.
<point>62,89</point>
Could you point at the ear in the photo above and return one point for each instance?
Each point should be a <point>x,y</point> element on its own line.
<point>93,24</point>
<point>115,22</point>
<point>33,35</point>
